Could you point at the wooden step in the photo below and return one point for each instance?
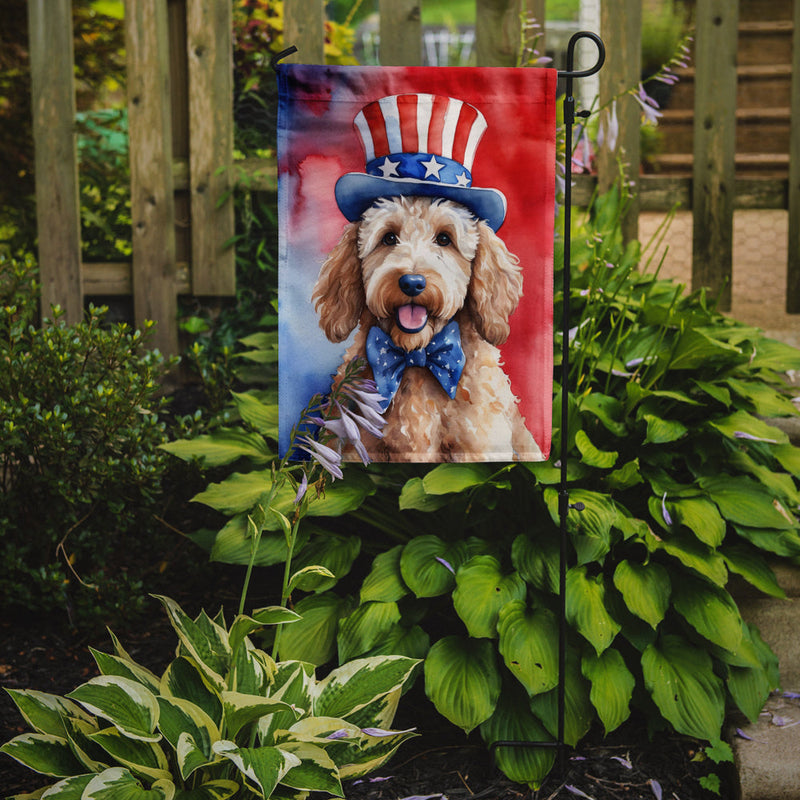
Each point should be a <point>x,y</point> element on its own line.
<point>754,10</point>
<point>767,165</point>
<point>763,42</point>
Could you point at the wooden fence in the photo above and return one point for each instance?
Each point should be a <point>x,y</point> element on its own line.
<point>181,141</point>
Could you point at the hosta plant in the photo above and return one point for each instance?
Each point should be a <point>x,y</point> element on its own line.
<point>224,720</point>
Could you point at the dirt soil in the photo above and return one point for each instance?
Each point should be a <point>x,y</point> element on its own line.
<point>44,654</point>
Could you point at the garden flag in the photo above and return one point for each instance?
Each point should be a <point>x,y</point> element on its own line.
<point>416,218</point>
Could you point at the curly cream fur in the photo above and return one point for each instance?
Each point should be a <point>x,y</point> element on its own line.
<point>472,278</point>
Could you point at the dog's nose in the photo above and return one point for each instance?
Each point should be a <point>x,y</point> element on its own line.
<point>412,285</point>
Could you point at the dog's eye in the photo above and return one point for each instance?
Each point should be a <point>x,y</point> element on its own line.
<point>389,239</point>
<point>443,239</point>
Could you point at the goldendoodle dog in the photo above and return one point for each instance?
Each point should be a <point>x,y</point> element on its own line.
<point>430,287</point>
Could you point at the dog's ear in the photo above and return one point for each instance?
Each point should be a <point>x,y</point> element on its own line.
<point>338,294</point>
<point>495,286</point>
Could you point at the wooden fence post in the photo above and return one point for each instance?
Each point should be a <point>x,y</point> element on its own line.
<point>401,33</point>
<point>152,201</point>
<point>621,28</point>
<point>793,266</point>
<point>56,161</point>
<point>304,27</point>
<point>498,30</point>
<point>714,190</point>
<point>210,55</point>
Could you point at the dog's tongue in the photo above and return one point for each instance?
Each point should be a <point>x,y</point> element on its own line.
<point>412,317</point>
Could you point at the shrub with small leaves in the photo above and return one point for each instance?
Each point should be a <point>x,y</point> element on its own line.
<point>80,468</point>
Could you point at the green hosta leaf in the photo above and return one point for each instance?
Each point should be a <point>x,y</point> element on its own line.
<point>385,582</point>
<point>182,679</point>
<point>223,446</point>
<point>749,688</point>
<point>716,391</point>
<point>242,709</point>
<point>782,543</point>
<point>693,554</point>
<point>462,680</point>
<point>683,685</point>
<point>780,484</point>
<point>625,477</point>
<point>740,422</point>
<point>449,478</point>
<point>365,627</point>
<point>578,710</point>
<point>774,355</point>
<point>126,704</point>
<point>117,783</point>
<point>529,645</point>
<point>263,766</point>
<point>709,610</point>
<point>788,455</point>
<point>481,591</point>
<point>334,553</point>
<point>512,721</point>
<point>356,684</point>
<point>212,790</point>
<point>612,687</point>
<point>597,517</point>
<point>586,608</point>
<point>608,410</point>
<point>45,712</point>
<point>44,753</point>
<point>753,567</point>
<point>767,401</point>
<point>399,640</point>
<point>701,517</point>
<point>313,638</point>
<point>316,772</point>
<point>207,644</point>
<point>261,416</point>
<point>414,497</point>
<point>125,668</point>
<point>233,544</point>
<point>339,498</point>
<point>238,492</point>
<point>663,431</point>
<point>145,759</point>
<point>646,589</point>
<point>745,502</point>
<point>602,459</point>
<point>537,560</point>
<point>696,349</point>
<point>428,565</point>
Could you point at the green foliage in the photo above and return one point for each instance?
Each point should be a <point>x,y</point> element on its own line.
<point>223,718</point>
<point>79,430</point>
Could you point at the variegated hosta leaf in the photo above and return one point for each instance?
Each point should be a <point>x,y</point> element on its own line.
<point>211,790</point>
<point>125,668</point>
<point>365,627</point>
<point>385,581</point>
<point>68,789</point>
<point>180,717</point>
<point>683,685</point>
<point>262,766</point>
<point>117,783</point>
<point>252,670</point>
<point>244,625</point>
<point>45,712</point>
<point>145,759</point>
<point>242,709</point>
<point>371,754</point>
<point>358,683</point>
<point>316,771</point>
<point>529,645</point>
<point>586,608</point>
<point>513,721</point>
<point>190,755</point>
<point>294,685</point>
<point>183,679</point>
<point>204,641</point>
<point>44,753</point>
<point>126,704</point>
<point>612,687</point>
<point>481,591</point>
<point>462,680</point>
<point>78,733</point>
<point>646,589</point>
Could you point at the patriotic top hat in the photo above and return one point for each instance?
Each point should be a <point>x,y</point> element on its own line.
<point>419,145</point>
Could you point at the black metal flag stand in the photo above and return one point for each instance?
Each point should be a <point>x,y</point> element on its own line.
<point>564,506</point>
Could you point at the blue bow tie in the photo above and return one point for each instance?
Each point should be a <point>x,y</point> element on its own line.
<point>443,357</point>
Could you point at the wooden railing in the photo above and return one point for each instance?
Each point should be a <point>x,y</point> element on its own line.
<point>181,133</point>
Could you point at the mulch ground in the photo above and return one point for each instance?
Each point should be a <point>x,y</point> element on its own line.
<point>44,654</point>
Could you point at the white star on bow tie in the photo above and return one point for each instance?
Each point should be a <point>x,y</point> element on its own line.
<point>389,168</point>
<point>432,167</point>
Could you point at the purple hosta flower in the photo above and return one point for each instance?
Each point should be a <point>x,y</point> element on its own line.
<point>376,779</point>
<point>664,512</point>
<point>751,437</point>
<point>582,155</point>
<point>301,489</point>
<point>425,797</point>
<point>446,564</point>
<point>655,787</point>
<point>626,762</point>
<point>742,735</point>
<point>791,695</point>
<point>380,732</point>
<point>342,733</point>
<point>649,106</point>
<point>577,792</point>
<point>608,130</point>
<point>326,457</point>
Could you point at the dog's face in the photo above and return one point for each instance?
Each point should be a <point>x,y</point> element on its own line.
<point>416,259</point>
<point>413,263</point>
